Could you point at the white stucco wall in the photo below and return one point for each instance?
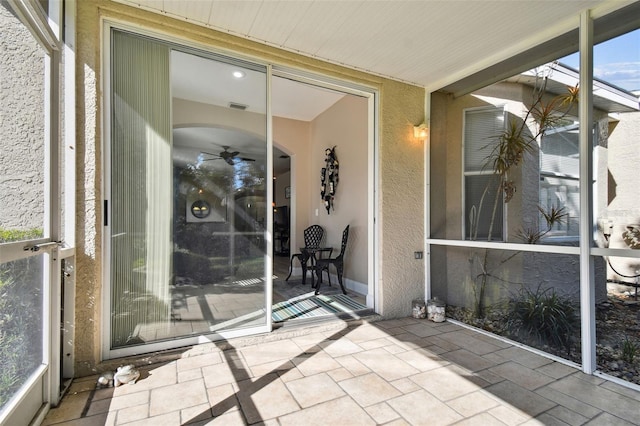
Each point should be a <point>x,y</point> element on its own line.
<point>21,126</point>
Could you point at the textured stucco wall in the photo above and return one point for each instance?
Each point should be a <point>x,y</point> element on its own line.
<point>401,198</point>
<point>21,126</point>
<point>400,158</point>
<point>619,193</point>
<point>344,125</point>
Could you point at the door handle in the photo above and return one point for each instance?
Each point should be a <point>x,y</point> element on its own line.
<point>43,246</point>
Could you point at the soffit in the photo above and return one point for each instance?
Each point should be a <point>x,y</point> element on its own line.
<point>428,43</point>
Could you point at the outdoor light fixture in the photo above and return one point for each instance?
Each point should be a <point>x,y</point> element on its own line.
<point>421,131</point>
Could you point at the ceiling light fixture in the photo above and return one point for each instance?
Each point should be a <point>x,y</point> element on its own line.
<point>239,74</point>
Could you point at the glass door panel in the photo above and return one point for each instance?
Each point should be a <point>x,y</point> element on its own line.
<point>25,192</point>
<point>21,324</point>
<point>188,195</point>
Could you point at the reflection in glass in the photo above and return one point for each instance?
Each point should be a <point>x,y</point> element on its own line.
<point>21,323</point>
<point>518,155</point>
<point>532,298</point>
<point>618,321</point>
<point>188,200</point>
<point>22,131</point>
<point>618,210</point>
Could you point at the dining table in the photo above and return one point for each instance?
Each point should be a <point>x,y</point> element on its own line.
<point>309,254</point>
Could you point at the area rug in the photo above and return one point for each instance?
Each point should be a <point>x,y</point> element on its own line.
<point>315,306</point>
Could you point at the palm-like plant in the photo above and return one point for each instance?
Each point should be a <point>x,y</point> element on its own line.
<point>520,137</point>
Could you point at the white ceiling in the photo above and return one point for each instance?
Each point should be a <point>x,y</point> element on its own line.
<point>425,42</point>
<point>211,82</point>
<point>458,45</point>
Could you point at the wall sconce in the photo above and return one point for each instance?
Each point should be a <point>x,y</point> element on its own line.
<point>421,131</point>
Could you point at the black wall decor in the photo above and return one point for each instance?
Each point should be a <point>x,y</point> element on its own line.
<point>329,178</point>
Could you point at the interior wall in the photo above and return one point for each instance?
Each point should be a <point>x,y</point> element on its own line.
<point>293,136</point>
<point>345,126</point>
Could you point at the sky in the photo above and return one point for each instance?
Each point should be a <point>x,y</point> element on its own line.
<point>616,61</point>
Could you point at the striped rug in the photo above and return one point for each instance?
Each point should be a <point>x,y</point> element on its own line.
<point>315,306</point>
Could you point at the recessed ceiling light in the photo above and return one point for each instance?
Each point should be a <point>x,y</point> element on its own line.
<point>239,74</point>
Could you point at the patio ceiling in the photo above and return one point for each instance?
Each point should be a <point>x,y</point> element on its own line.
<point>434,44</point>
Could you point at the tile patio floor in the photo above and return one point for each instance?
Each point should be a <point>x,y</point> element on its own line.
<point>391,372</point>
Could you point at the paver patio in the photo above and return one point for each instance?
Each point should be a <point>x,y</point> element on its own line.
<point>394,372</point>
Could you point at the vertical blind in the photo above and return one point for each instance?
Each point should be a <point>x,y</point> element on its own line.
<point>141,194</point>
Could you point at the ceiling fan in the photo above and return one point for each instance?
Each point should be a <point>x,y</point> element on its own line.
<point>229,157</point>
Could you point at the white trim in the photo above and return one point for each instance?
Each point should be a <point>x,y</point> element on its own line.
<point>22,406</point>
<point>32,16</point>
<point>181,342</point>
<point>314,79</point>
<point>427,198</point>
<point>587,280</point>
<point>105,189</point>
<point>540,248</point>
<point>617,380</point>
<point>613,252</point>
<point>68,237</point>
<point>268,260</point>
<point>374,289</point>
<point>517,344</point>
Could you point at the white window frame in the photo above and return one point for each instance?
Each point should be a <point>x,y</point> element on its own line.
<point>465,174</point>
<point>575,177</point>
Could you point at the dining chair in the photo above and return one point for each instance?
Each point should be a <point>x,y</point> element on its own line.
<point>322,265</point>
<point>312,239</point>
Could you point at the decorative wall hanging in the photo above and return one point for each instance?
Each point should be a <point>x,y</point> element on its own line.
<point>329,178</point>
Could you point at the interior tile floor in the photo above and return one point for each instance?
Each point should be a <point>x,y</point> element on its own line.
<point>198,309</point>
<point>364,372</point>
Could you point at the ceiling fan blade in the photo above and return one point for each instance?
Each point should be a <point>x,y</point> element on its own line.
<point>234,153</point>
<point>209,153</point>
<point>246,159</point>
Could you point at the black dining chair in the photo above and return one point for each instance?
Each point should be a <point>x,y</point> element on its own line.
<point>312,239</point>
<point>322,265</point>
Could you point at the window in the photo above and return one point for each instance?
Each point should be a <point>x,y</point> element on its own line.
<point>481,127</point>
<point>559,174</point>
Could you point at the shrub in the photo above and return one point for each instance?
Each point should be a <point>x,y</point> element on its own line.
<point>544,317</point>
<point>9,235</point>
<point>630,350</point>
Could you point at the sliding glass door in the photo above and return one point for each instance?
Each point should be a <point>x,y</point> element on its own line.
<point>187,204</point>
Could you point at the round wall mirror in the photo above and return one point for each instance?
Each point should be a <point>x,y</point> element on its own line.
<point>200,209</point>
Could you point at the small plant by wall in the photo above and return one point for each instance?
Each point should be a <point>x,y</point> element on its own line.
<point>542,317</point>
<point>630,350</point>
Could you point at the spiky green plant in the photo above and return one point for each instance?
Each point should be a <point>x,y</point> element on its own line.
<point>508,151</point>
<point>630,350</point>
<point>543,317</point>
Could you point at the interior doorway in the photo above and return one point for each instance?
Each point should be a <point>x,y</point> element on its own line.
<point>310,117</point>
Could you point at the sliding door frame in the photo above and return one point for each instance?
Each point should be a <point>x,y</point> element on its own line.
<point>186,46</point>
